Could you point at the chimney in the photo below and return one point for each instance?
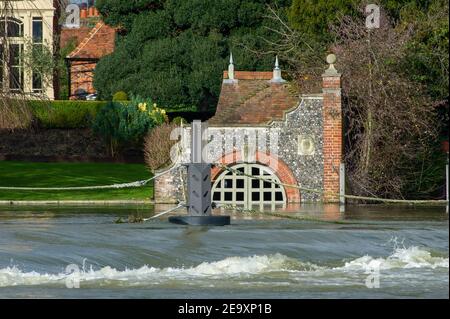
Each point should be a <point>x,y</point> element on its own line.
<point>83,13</point>
<point>91,12</point>
<point>332,129</point>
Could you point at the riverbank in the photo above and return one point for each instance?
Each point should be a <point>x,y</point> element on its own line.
<point>31,174</point>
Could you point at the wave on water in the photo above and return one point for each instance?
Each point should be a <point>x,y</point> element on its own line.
<point>231,268</point>
<point>412,257</point>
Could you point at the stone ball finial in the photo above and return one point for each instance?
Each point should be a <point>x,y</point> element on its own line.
<point>331,59</point>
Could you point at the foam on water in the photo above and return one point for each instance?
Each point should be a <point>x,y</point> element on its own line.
<point>412,257</point>
<point>231,268</point>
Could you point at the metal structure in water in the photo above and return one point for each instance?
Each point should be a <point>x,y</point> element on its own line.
<point>199,203</point>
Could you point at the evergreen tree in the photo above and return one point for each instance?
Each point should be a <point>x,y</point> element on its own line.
<point>174,51</point>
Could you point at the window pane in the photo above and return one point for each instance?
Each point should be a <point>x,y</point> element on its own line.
<point>278,196</point>
<point>255,196</point>
<point>37,81</point>
<point>15,79</point>
<point>14,54</point>
<point>240,196</point>
<point>267,185</point>
<point>267,196</point>
<point>228,196</point>
<point>37,30</point>
<point>228,183</point>
<point>255,171</point>
<point>255,183</point>
<point>216,196</point>
<point>239,183</point>
<point>13,28</point>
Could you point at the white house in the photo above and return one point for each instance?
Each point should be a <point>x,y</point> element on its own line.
<point>25,24</point>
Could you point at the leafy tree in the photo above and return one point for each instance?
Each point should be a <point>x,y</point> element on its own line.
<point>427,59</point>
<point>391,123</point>
<point>313,17</point>
<point>174,51</point>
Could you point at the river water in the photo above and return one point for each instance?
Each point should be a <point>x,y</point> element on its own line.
<point>366,252</point>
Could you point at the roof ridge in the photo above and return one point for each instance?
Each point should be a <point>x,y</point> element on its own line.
<point>86,40</point>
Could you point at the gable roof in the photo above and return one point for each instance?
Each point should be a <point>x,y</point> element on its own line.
<point>252,100</point>
<point>99,42</point>
<point>77,35</point>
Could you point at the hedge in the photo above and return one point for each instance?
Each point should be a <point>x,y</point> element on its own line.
<point>75,114</point>
<point>65,114</point>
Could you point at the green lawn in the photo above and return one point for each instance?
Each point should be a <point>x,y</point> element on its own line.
<point>23,174</point>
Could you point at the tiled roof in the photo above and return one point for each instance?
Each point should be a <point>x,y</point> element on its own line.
<point>252,100</point>
<point>77,34</point>
<point>99,42</point>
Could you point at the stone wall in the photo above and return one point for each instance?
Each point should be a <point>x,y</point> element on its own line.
<point>60,145</point>
<point>170,187</point>
<point>295,167</point>
<point>304,123</point>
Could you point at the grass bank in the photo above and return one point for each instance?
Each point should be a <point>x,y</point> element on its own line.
<point>25,174</point>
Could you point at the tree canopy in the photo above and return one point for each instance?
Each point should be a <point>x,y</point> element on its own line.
<point>174,51</point>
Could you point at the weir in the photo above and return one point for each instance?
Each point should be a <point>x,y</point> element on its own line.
<point>199,203</point>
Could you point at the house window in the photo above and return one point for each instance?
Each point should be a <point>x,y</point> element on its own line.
<point>235,189</point>
<point>37,82</point>
<point>37,46</point>
<point>11,53</point>
<point>11,26</point>
<point>37,30</point>
<point>16,67</point>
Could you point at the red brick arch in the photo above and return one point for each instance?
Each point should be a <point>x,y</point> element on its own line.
<point>280,168</point>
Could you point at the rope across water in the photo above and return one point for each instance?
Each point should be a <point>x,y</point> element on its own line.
<point>237,172</point>
<point>317,191</point>
<point>113,186</point>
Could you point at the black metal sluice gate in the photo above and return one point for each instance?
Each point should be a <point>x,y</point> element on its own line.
<point>199,203</point>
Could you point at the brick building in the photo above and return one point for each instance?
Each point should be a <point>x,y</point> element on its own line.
<point>283,137</point>
<point>92,44</point>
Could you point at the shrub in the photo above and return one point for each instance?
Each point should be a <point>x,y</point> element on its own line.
<point>123,124</point>
<point>157,146</point>
<point>120,96</point>
<point>65,114</point>
<point>14,114</point>
<point>179,120</point>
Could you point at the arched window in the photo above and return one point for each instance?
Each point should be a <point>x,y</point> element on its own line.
<point>236,189</point>
<point>11,68</point>
<point>12,27</point>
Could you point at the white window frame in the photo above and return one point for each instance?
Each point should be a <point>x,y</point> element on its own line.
<point>269,193</point>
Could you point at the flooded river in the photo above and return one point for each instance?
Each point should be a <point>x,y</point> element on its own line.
<point>364,252</point>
